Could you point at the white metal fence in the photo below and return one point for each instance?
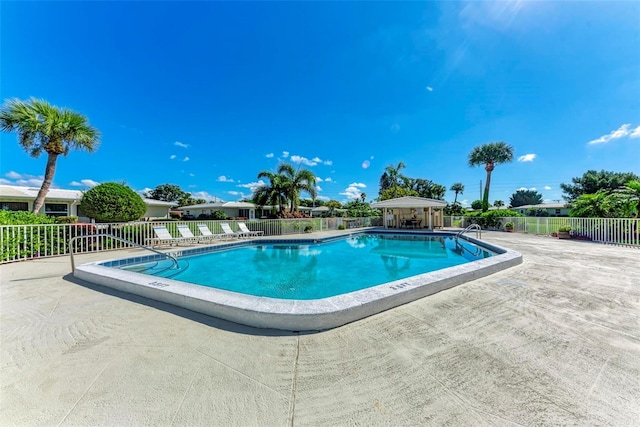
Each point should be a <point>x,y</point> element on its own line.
<point>22,242</point>
<point>617,231</point>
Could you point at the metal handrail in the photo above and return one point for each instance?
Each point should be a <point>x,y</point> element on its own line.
<point>469,228</point>
<point>73,264</point>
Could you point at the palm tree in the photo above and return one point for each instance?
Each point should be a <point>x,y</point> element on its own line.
<point>458,187</point>
<point>392,178</point>
<point>363,197</point>
<point>44,127</point>
<point>300,180</point>
<point>490,155</point>
<point>274,194</point>
<point>498,203</point>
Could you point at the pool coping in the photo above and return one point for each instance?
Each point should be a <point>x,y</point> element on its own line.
<point>293,315</point>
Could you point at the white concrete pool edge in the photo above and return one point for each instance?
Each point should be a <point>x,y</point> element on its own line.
<point>297,315</point>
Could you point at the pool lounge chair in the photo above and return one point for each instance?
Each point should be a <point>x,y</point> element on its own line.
<point>244,229</point>
<point>186,233</point>
<point>206,233</point>
<point>229,232</point>
<point>163,237</point>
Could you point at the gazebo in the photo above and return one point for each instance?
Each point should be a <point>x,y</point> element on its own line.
<point>411,212</point>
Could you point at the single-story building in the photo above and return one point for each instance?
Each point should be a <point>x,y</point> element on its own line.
<point>60,202</point>
<point>412,212</point>
<point>553,209</point>
<point>230,209</point>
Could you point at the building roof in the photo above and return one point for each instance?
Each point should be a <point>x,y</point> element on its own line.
<point>30,193</point>
<point>544,206</point>
<point>220,205</point>
<point>409,202</point>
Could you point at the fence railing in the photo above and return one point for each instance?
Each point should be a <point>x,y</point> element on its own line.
<point>22,242</point>
<point>617,231</point>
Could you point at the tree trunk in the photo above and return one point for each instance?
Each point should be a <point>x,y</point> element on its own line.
<point>485,198</point>
<point>455,199</point>
<point>48,179</point>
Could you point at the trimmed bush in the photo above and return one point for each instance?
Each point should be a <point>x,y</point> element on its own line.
<point>112,202</point>
<point>491,218</point>
<point>66,219</point>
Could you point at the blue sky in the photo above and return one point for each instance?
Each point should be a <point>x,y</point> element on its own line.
<point>205,95</point>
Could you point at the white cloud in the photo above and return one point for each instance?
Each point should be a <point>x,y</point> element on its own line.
<point>269,156</point>
<point>522,189</point>
<point>253,185</point>
<point>429,88</point>
<point>465,203</point>
<point>285,154</point>
<point>318,179</point>
<point>5,182</point>
<point>316,159</point>
<point>84,183</point>
<point>324,198</point>
<point>180,144</point>
<point>328,162</point>
<point>192,174</point>
<point>353,190</point>
<point>223,178</point>
<point>366,164</point>
<point>546,187</point>
<point>318,188</point>
<point>328,179</point>
<point>13,175</point>
<point>203,195</point>
<point>186,159</point>
<point>533,189</point>
<point>527,158</point>
<point>303,160</point>
<point>235,193</point>
<point>24,180</point>
<point>621,132</point>
<point>173,156</point>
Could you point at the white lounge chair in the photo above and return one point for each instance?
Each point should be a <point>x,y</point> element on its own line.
<point>243,228</point>
<point>207,234</point>
<point>163,237</point>
<point>187,235</point>
<point>229,232</point>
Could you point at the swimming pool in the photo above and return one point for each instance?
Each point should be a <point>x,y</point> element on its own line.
<point>318,270</point>
<point>296,314</point>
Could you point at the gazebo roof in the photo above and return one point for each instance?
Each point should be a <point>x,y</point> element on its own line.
<point>410,202</point>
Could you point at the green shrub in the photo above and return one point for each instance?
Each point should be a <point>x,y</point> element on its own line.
<point>22,217</point>
<point>66,219</point>
<point>491,218</point>
<point>112,202</point>
<point>564,228</point>
<point>342,227</point>
<point>509,225</point>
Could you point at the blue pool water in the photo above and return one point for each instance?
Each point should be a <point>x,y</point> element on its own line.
<point>313,271</point>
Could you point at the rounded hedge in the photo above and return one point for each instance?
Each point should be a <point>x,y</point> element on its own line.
<point>112,202</point>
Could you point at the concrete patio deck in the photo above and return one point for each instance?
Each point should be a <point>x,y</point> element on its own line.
<point>554,341</point>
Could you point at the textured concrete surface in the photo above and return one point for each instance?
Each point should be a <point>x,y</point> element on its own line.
<point>554,341</point>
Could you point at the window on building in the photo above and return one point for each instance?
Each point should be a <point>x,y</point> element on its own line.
<point>244,213</point>
<point>56,209</point>
<point>15,206</point>
<point>557,211</point>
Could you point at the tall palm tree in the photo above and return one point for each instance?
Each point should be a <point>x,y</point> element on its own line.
<point>457,187</point>
<point>392,178</point>
<point>363,196</point>
<point>275,193</point>
<point>42,127</point>
<point>297,180</point>
<point>490,155</point>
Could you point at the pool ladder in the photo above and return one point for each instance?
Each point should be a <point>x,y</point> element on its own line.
<point>471,227</point>
<point>171,256</point>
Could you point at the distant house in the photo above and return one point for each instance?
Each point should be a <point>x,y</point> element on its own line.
<point>61,202</point>
<point>553,209</point>
<point>230,209</point>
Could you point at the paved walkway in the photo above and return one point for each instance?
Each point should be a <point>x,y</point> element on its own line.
<point>554,341</point>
